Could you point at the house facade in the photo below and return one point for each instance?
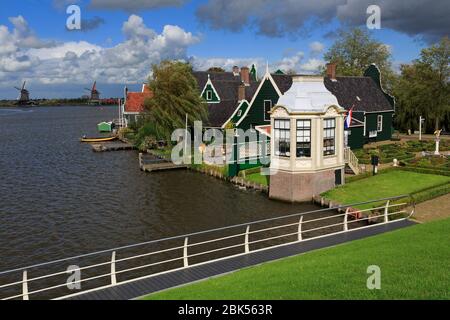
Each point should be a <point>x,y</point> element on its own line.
<point>133,105</point>
<point>308,141</point>
<point>373,109</point>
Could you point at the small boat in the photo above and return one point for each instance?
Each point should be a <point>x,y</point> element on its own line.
<point>100,139</point>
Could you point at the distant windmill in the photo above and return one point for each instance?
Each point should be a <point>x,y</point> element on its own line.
<point>24,96</point>
<point>95,94</point>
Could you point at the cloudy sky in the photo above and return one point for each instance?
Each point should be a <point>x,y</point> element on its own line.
<point>119,40</point>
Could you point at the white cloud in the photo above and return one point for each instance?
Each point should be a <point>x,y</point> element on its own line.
<point>312,65</point>
<point>83,62</point>
<point>316,47</point>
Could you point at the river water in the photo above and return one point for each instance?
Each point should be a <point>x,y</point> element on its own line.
<point>60,199</point>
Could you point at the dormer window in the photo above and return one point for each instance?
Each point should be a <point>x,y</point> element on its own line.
<point>209,95</point>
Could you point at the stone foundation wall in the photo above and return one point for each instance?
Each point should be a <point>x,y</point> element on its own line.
<point>300,187</point>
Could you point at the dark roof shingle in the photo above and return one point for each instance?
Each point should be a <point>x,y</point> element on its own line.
<point>362,92</point>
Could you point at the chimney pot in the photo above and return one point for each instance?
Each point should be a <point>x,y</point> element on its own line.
<point>245,75</point>
<point>235,71</point>
<point>331,70</point>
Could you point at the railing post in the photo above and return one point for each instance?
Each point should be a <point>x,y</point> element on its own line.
<point>25,286</point>
<point>386,211</point>
<point>185,253</point>
<point>300,238</point>
<point>113,269</point>
<point>346,219</point>
<point>247,247</point>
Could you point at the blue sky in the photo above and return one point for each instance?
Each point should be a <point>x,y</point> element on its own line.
<point>130,35</point>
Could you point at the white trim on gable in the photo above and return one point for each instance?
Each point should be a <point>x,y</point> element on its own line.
<point>235,111</point>
<point>209,82</point>
<point>267,76</point>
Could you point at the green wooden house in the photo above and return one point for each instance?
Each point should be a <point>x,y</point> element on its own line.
<point>373,108</point>
<point>227,94</point>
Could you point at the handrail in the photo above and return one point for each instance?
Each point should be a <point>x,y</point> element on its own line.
<point>199,233</point>
<point>185,247</point>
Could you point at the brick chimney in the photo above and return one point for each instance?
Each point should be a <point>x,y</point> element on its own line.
<point>241,92</point>
<point>235,71</point>
<point>331,70</point>
<point>245,75</point>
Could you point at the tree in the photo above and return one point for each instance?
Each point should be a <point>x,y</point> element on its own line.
<point>175,94</point>
<point>354,50</point>
<point>216,69</point>
<point>423,87</point>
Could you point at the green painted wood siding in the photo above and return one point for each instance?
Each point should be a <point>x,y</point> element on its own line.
<point>255,116</point>
<point>240,112</point>
<point>371,125</point>
<point>214,97</point>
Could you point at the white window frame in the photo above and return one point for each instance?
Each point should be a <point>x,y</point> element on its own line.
<point>208,95</point>
<point>329,133</point>
<point>266,114</point>
<point>380,123</point>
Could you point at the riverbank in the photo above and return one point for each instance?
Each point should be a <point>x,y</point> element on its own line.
<point>411,261</point>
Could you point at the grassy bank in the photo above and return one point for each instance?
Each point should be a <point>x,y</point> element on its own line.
<point>414,265</point>
<point>388,184</point>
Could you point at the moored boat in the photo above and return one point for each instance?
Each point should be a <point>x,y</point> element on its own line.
<point>99,139</point>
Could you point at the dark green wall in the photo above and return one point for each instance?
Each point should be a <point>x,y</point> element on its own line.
<point>243,107</point>
<point>356,138</point>
<point>255,115</point>
<point>371,124</point>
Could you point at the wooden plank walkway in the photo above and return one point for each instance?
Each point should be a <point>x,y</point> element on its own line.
<point>139,288</point>
<point>155,164</point>
<point>112,146</point>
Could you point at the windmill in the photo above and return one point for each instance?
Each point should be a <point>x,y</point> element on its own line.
<point>95,94</point>
<point>24,96</point>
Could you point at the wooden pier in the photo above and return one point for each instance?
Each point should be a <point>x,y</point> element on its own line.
<point>112,146</point>
<point>154,164</point>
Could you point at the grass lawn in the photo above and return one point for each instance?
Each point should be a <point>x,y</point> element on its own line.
<point>389,184</point>
<point>414,264</point>
<point>258,178</point>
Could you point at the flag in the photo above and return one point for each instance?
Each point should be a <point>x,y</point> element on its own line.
<point>348,119</point>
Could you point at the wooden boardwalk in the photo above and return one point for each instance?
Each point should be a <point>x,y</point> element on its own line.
<point>140,288</point>
<point>155,164</point>
<point>112,146</point>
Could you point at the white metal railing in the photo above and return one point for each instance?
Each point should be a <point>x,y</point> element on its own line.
<point>386,212</point>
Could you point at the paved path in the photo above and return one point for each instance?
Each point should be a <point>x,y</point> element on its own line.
<point>435,209</point>
<point>146,286</point>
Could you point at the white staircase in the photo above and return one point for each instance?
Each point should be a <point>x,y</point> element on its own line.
<point>351,160</point>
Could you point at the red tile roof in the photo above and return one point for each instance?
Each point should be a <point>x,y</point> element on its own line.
<point>135,100</point>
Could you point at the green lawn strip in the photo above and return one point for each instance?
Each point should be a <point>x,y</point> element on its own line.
<point>414,265</point>
<point>389,184</point>
<point>258,178</point>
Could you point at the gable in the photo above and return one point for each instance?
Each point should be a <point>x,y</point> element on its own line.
<point>209,93</point>
<point>255,112</point>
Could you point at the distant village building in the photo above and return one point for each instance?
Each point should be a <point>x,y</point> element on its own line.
<point>307,126</point>
<point>133,105</point>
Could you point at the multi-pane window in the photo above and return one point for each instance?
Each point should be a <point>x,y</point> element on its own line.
<point>329,132</point>
<point>282,137</point>
<point>380,123</point>
<point>267,108</point>
<point>303,138</point>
